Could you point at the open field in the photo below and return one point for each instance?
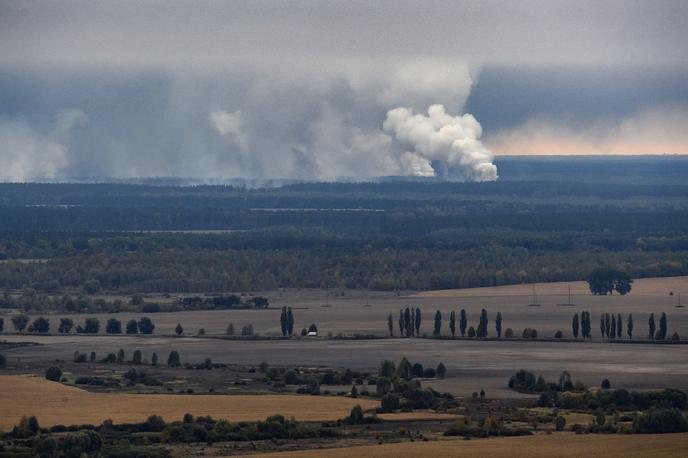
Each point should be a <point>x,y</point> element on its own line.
<point>359,312</point>
<point>545,446</point>
<point>53,403</point>
<point>471,365</point>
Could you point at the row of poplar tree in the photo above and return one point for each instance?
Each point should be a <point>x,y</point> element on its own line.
<point>611,326</point>
<point>410,320</point>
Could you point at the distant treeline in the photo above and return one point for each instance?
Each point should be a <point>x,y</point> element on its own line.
<point>382,236</point>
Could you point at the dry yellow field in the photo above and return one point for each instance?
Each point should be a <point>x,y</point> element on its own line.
<point>565,445</point>
<point>53,403</point>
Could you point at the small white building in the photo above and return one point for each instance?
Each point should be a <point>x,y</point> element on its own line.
<point>312,334</point>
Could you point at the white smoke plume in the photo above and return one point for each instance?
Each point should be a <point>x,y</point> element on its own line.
<point>26,153</point>
<point>451,142</point>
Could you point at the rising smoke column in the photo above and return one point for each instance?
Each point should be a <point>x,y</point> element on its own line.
<point>453,141</point>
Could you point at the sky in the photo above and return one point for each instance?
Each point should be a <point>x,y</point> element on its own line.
<point>326,90</point>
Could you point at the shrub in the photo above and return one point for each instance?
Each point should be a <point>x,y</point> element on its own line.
<point>558,335</point>
<point>417,370</point>
<point>471,332</point>
<point>53,374</point>
<point>3,360</point>
<point>606,384</point>
<point>441,370</point>
<point>173,359</point>
<point>389,403</point>
<point>429,373</point>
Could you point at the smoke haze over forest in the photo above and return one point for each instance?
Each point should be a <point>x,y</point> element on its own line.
<point>293,90</point>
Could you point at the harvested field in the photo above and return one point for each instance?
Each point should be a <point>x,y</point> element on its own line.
<point>540,446</point>
<point>54,403</point>
<point>471,365</point>
<point>350,312</point>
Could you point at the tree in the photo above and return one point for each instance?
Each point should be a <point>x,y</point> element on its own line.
<point>452,323</point>
<point>602,328</point>
<point>19,322</point>
<point>402,326</point>
<point>575,325</point>
<point>179,330</point>
<point>558,335</point>
<point>586,325</point>
<point>606,384</point>
<point>463,322</point>
<point>230,329</point>
<point>3,360</point>
<point>613,326</point>
<point>629,326</point>
<point>619,326</point>
<point>441,370</point>
<point>53,373</point>
<point>383,386</point>
<point>662,332</point>
<point>290,322</point>
<point>416,321</point>
<point>146,326</point>
<point>91,326</point>
<point>137,299</point>
<point>408,322</point>
<point>113,326</point>
<point>120,356</point>
<point>387,369</point>
<point>136,359</point>
<point>2,324</point>
<point>66,325</point>
<point>607,325</point>
<point>173,359</point>
<point>390,324</point>
<point>92,358</point>
<point>132,327</point>
<point>417,370</point>
<point>354,391</point>
<point>651,326</point>
<point>404,369</point>
<point>40,324</point>
<point>471,332</point>
<point>560,423</point>
<point>498,324</point>
<point>356,415</point>
<point>482,324</point>
<point>437,329</point>
<point>283,321</point>
<point>604,281</point>
<point>154,359</point>
<point>509,334</point>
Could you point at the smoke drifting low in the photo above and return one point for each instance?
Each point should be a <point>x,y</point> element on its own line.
<point>357,122</point>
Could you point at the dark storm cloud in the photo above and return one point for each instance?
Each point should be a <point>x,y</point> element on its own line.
<point>309,89</point>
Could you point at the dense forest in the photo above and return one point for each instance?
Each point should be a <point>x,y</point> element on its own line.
<point>387,235</point>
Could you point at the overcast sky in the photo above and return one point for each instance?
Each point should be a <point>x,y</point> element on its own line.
<point>308,89</point>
